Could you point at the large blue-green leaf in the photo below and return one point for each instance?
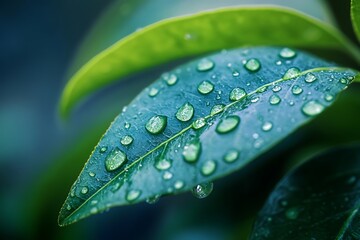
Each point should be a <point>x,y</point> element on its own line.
<point>318,200</point>
<point>201,121</point>
<point>201,33</point>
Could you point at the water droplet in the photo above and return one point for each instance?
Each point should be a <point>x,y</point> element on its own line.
<point>254,99</point>
<point>252,65</point>
<point>231,156</point>
<point>132,195</point>
<point>153,200</point>
<point>205,87</point>
<point>312,108</point>
<point>283,203</point>
<point>163,164</point>
<point>68,207</point>
<point>228,124</point>
<point>292,213</point>
<point>276,88</point>
<point>94,202</point>
<point>274,99</point>
<point>287,53</point>
<point>92,174</point>
<point>170,79</point>
<point>192,152</point>
<point>84,190</point>
<point>278,63</point>
<point>126,140</point>
<point>178,184</point>
<point>235,73</point>
<point>202,190</point>
<point>267,126</point>
<point>343,81</point>
<point>328,97</point>
<point>127,125</point>
<point>103,149</point>
<point>236,94</point>
<point>205,65</point>
<point>156,124</point>
<point>310,78</point>
<point>217,109</point>
<point>208,168</point>
<point>94,210</point>
<point>153,92</point>
<point>291,73</point>
<point>115,159</point>
<point>199,123</point>
<point>296,90</point>
<point>167,175</point>
<point>185,112</point>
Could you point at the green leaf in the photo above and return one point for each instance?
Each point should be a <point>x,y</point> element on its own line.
<point>201,121</point>
<point>318,200</point>
<point>355,17</point>
<point>201,33</point>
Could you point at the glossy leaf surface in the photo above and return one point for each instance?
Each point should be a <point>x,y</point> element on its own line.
<point>198,34</point>
<point>201,121</point>
<point>318,200</point>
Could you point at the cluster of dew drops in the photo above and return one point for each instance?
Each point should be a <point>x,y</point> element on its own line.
<point>191,152</point>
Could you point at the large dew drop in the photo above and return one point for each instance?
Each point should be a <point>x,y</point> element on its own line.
<point>231,156</point>
<point>199,123</point>
<point>274,99</point>
<point>185,112</point>
<point>252,65</point>
<point>291,73</point>
<point>126,140</point>
<point>312,108</point>
<point>202,190</point>
<point>153,92</point>
<point>132,195</point>
<point>205,65</point>
<point>310,78</point>
<point>170,79</point>
<point>228,124</point>
<point>162,164</point>
<point>156,124</point>
<point>208,168</point>
<point>236,94</point>
<point>205,87</point>
<point>84,190</point>
<point>296,90</point>
<point>287,53</point>
<point>217,109</point>
<point>115,160</point>
<point>192,152</point>
<point>267,126</point>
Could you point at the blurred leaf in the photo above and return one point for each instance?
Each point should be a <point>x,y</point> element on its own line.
<point>318,200</point>
<point>201,121</point>
<point>355,16</point>
<point>200,33</point>
<point>123,17</point>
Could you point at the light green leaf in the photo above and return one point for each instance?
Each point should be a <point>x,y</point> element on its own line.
<point>202,121</point>
<point>355,17</point>
<point>318,200</point>
<point>200,33</point>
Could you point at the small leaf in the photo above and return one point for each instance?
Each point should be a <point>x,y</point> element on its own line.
<point>318,200</point>
<point>355,17</point>
<point>209,31</point>
<point>169,156</point>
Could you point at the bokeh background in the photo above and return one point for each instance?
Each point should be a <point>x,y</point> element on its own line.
<point>41,44</point>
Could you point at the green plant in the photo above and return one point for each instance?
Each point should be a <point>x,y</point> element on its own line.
<point>214,115</point>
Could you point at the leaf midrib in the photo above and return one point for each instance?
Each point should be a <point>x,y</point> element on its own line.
<point>190,126</point>
<point>347,222</point>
